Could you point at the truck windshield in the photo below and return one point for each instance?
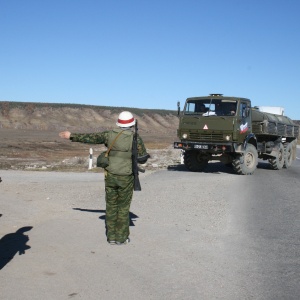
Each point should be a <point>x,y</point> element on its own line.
<point>211,107</point>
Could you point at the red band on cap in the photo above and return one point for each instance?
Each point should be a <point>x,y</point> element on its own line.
<point>125,121</point>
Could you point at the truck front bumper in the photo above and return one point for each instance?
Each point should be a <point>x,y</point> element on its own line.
<point>206,147</point>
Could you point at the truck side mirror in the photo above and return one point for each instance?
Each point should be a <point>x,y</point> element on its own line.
<point>246,112</point>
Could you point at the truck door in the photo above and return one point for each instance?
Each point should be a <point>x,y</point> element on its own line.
<point>244,119</point>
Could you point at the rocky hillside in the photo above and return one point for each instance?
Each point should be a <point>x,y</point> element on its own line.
<point>83,118</point>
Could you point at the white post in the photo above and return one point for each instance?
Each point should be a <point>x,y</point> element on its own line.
<point>91,159</point>
<point>182,157</point>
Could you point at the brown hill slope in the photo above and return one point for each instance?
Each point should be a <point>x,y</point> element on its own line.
<point>29,133</point>
<point>45,116</point>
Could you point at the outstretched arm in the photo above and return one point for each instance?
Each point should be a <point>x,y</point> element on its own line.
<point>90,138</point>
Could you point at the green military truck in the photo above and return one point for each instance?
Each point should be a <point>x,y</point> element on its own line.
<point>229,130</point>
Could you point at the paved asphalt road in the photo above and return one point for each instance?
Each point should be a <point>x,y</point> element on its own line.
<point>212,235</point>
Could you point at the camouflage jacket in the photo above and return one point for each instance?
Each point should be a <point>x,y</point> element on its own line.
<point>102,138</point>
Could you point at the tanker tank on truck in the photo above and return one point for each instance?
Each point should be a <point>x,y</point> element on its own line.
<point>229,130</point>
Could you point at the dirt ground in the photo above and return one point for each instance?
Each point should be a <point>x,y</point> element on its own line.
<point>29,149</point>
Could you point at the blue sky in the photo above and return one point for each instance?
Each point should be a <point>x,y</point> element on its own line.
<point>150,54</point>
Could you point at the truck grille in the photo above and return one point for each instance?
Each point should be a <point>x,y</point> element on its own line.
<point>195,136</point>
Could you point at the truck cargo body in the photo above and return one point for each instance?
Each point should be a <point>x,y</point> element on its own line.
<point>275,110</point>
<point>229,130</point>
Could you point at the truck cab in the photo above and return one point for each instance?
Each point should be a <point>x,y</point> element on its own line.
<point>214,123</point>
<point>218,127</point>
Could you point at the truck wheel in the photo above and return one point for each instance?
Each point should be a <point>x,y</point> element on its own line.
<point>278,161</point>
<point>288,155</point>
<point>246,164</point>
<point>194,161</point>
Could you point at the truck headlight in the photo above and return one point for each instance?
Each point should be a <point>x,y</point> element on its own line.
<point>228,137</point>
<point>184,136</point>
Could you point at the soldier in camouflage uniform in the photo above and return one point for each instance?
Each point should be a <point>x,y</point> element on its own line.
<point>118,175</point>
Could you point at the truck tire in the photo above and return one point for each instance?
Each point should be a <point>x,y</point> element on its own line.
<point>288,155</point>
<point>194,161</point>
<point>246,164</point>
<point>278,161</point>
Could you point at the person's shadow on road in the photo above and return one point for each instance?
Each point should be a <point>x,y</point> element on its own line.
<point>103,217</point>
<point>12,243</point>
<point>132,216</point>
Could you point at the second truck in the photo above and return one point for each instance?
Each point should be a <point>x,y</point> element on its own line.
<point>228,129</point>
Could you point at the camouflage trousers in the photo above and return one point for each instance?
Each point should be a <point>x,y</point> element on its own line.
<point>118,196</point>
